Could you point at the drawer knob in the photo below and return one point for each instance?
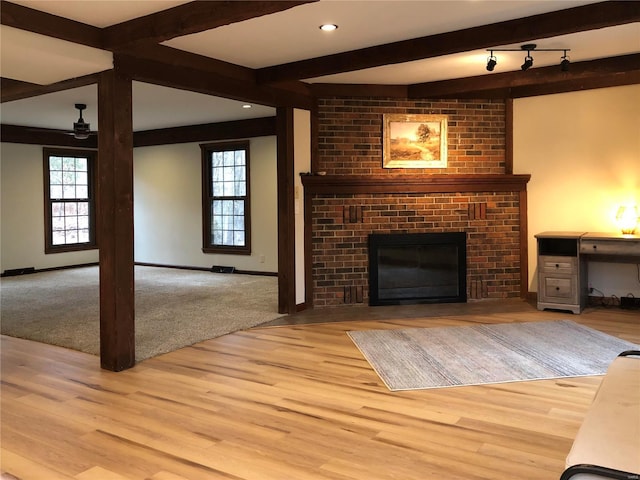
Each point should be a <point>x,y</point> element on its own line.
<point>557,265</point>
<point>557,288</point>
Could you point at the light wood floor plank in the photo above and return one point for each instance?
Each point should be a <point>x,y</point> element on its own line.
<point>294,401</point>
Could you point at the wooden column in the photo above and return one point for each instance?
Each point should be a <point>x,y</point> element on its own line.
<point>115,221</point>
<point>286,218</point>
<point>508,141</point>
<point>524,246</point>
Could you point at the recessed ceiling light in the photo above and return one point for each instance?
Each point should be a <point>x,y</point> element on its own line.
<point>328,27</point>
<point>246,105</point>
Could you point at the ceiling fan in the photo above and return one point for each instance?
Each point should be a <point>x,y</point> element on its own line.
<point>81,129</point>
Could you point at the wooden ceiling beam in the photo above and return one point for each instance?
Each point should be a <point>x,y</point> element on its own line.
<point>24,18</point>
<point>44,136</point>
<point>209,83</point>
<point>16,90</point>
<point>139,36</point>
<point>609,72</point>
<point>572,20</point>
<point>189,18</point>
<point>359,90</point>
<point>210,132</point>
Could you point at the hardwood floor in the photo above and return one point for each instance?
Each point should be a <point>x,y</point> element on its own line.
<point>295,401</point>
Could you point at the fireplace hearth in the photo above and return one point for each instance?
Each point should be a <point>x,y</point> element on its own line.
<point>415,268</point>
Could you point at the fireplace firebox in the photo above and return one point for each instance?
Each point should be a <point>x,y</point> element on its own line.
<point>417,268</point>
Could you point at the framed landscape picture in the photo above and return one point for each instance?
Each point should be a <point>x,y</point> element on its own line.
<point>414,141</point>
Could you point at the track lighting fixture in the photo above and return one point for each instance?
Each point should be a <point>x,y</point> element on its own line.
<point>528,62</point>
<point>492,61</point>
<point>564,64</point>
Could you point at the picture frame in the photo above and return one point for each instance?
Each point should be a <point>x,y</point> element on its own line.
<point>414,141</point>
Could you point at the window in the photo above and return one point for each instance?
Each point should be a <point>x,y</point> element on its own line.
<point>69,200</point>
<point>225,198</point>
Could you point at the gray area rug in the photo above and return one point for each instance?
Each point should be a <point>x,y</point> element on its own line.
<point>421,358</point>
<point>174,308</point>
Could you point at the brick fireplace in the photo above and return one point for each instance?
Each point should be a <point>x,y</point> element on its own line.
<point>474,194</point>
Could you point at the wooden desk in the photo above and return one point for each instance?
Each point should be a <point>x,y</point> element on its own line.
<point>563,264</point>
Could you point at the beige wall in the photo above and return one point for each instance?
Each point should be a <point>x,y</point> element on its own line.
<point>582,150</point>
<point>168,207</point>
<point>22,215</point>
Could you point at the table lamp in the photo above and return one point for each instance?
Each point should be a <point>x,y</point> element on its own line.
<point>627,218</point>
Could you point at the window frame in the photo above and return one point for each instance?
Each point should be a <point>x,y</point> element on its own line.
<point>207,197</point>
<point>91,156</point>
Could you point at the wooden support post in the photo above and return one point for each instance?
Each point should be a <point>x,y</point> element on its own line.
<point>286,218</point>
<point>115,221</point>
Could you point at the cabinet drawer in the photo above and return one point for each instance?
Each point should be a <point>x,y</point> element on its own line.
<point>556,264</point>
<point>605,247</point>
<point>559,289</point>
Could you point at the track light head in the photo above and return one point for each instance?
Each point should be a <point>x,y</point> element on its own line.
<point>564,64</point>
<point>528,63</point>
<point>491,62</point>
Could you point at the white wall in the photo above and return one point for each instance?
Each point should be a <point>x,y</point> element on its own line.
<point>22,212</point>
<point>168,207</point>
<point>582,150</point>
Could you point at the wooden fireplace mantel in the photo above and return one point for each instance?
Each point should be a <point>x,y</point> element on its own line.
<point>354,184</point>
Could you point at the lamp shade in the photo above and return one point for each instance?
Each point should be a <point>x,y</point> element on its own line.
<point>627,218</point>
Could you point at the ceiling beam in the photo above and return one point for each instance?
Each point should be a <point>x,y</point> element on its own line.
<point>11,90</point>
<point>189,18</point>
<point>209,132</point>
<point>209,83</point>
<point>17,16</point>
<point>44,136</point>
<point>609,72</point>
<point>572,20</point>
<point>174,58</point>
<point>358,90</point>
<point>225,79</point>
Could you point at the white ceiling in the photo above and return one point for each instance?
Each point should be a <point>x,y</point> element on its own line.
<point>274,39</point>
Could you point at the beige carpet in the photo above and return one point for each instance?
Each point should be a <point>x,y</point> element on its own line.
<point>420,358</point>
<point>174,308</point>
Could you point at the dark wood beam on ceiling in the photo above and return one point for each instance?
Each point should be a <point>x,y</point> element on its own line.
<point>563,22</point>
<point>189,18</point>
<point>17,90</point>
<point>24,18</point>
<point>210,132</point>
<point>174,58</point>
<point>608,72</point>
<point>358,90</point>
<point>44,136</point>
<point>195,80</point>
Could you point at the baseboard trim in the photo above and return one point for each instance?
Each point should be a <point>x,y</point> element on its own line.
<point>29,270</point>
<point>205,269</point>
